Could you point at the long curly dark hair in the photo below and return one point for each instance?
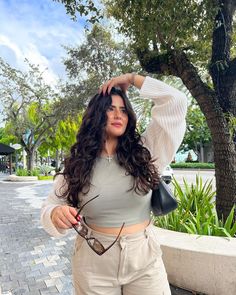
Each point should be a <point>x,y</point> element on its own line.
<point>131,154</point>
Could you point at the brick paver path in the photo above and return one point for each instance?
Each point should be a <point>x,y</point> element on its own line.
<point>31,262</point>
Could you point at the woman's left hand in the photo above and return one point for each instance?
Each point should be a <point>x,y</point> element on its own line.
<point>122,81</point>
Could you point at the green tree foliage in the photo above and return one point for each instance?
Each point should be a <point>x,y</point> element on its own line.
<point>83,7</point>
<point>6,137</point>
<point>88,65</point>
<point>62,137</point>
<point>31,107</point>
<point>167,25</point>
<point>98,58</point>
<point>197,131</point>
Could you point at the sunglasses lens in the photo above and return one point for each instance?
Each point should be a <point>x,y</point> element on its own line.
<point>82,230</point>
<point>96,245</point>
<point>93,243</point>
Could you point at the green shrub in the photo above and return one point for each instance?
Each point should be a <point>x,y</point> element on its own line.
<point>45,169</point>
<point>43,177</point>
<point>25,172</point>
<point>196,213</point>
<point>21,172</point>
<point>193,165</point>
<point>34,172</point>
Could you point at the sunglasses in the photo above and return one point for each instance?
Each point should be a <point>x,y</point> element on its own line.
<point>93,243</point>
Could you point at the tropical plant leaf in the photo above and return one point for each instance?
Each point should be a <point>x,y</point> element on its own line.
<point>196,212</point>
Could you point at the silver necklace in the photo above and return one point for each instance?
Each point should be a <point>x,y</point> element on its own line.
<point>109,158</point>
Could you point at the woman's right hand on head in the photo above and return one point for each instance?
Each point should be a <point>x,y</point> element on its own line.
<point>63,217</point>
<point>122,81</point>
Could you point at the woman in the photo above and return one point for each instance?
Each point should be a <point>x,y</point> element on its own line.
<point>109,176</point>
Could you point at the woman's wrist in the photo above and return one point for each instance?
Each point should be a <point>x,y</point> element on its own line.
<point>136,80</point>
<point>131,77</point>
<point>52,215</point>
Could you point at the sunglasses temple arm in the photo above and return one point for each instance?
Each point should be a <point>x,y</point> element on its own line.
<point>115,239</point>
<point>78,213</point>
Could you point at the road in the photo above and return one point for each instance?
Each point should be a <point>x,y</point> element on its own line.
<point>190,175</point>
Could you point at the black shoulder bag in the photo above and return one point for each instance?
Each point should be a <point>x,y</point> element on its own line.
<point>163,200</point>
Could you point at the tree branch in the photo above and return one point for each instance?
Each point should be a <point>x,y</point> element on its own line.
<point>153,62</point>
<point>222,39</point>
<point>222,32</point>
<point>221,67</point>
<point>176,63</point>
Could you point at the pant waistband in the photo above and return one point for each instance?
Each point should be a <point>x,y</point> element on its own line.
<point>110,237</point>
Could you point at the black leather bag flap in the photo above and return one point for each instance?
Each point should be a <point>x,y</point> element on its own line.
<point>163,200</point>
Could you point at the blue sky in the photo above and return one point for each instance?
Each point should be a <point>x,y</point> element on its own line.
<point>36,30</point>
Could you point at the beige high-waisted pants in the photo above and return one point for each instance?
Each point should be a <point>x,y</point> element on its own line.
<point>132,266</point>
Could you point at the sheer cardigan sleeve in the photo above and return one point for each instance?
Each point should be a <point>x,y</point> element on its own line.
<point>166,129</point>
<point>50,203</point>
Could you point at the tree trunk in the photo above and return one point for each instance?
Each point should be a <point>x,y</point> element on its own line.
<point>57,164</point>
<point>224,148</point>
<point>36,157</point>
<point>223,145</point>
<point>202,159</point>
<point>62,155</point>
<point>223,73</point>
<point>225,163</point>
<point>30,159</point>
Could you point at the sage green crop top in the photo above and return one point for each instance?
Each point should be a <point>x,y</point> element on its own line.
<point>116,203</point>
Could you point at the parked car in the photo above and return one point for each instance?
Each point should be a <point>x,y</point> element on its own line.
<point>167,174</point>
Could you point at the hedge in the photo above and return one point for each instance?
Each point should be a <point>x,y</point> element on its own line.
<point>43,177</point>
<point>193,165</point>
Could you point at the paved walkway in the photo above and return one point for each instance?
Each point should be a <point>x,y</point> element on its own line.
<point>31,262</point>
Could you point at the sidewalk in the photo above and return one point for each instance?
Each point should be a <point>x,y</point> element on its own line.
<point>2,177</point>
<point>31,262</point>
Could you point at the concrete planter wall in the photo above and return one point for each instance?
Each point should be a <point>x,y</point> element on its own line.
<point>13,177</point>
<point>200,263</point>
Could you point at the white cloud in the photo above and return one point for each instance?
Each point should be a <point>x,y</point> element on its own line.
<point>4,40</point>
<point>32,53</point>
<point>36,30</point>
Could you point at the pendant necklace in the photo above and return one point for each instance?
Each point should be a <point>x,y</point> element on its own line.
<point>109,158</point>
